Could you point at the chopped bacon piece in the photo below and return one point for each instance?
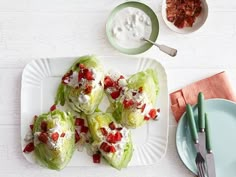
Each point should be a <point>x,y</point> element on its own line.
<point>44,126</point>
<point>158,110</point>
<point>31,127</point>
<point>96,158</point>
<point>183,13</point>
<point>143,107</point>
<point>140,90</point>
<point>43,138</point>
<point>29,148</point>
<point>62,134</point>
<point>119,128</point>
<point>79,122</point>
<point>84,129</point>
<point>88,89</point>
<point>81,66</point>
<point>53,107</point>
<point>112,126</point>
<point>104,131</point>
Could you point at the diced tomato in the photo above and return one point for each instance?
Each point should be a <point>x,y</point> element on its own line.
<point>55,136</point>
<point>77,137</point>
<point>62,134</point>
<point>105,147</point>
<point>88,89</point>
<point>112,149</point>
<point>96,158</point>
<point>140,90</point>
<point>43,138</point>
<point>143,107</point>
<point>118,136</point>
<point>112,126</point>
<point>128,103</point>
<point>44,126</point>
<point>115,94</point>
<point>89,75</point>
<point>153,113</point>
<point>53,107</point>
<point>80,76</point>
<point>111,138</point>
<point>104,131</point>
<point>32,127</point>
<point>84,129</point>
<point>79,122</point>
<point>108,82</point>
<point>146,118</point>
<point>29,148</point>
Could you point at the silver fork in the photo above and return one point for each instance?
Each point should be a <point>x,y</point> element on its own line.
<point>200,162</point>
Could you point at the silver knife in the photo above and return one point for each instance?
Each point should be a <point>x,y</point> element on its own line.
<point>201,124</point>
<point>209,156</point>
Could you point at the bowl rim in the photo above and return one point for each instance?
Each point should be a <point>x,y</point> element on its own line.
<point>172,27</point>
<point>155,28</point>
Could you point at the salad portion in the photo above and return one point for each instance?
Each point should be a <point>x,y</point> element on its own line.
<point>134,100</point>
<point>75,122</point>
<point>111,139</point>
<point>54,139</point>
<point>82,86</point>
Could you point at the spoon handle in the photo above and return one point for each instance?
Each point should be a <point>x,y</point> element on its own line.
<point>168,50</point>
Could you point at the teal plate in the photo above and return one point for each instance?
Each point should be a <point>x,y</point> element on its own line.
<point>222,120</point>
<point>154,22</point>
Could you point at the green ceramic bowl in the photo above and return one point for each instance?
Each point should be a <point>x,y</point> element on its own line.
<point>154,33</point>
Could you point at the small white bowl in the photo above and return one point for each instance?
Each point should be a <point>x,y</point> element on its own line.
<point>200,20</point>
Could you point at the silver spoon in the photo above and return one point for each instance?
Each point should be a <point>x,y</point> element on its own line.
<point>168,50</point>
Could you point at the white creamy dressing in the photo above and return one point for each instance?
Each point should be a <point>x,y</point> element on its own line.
<point>129,26</point>
<point>97,75</point>
<point>120,145</point>
<point>54,144</point>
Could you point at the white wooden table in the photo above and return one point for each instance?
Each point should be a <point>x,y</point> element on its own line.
<point>31,29</point>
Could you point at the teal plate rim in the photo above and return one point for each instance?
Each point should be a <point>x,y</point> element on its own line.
<point>154,21</point>
<point>181,126</point>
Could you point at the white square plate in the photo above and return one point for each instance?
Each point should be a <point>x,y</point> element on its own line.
<point>41,78</point>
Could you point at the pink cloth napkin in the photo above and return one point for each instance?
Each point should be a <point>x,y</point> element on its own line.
<point>216,86</point>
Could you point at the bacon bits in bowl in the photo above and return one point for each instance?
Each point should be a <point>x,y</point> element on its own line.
<point>184,16</point>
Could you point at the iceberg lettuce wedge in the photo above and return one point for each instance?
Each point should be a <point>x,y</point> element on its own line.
<point>111,139</point>
<point>54,139</point>
<point>82,86</point>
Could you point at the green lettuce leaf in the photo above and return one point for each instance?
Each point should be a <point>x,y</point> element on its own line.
<point>55,158</point>
<point>69,95</point>
<point>132,117</point>
<point>121,157</point>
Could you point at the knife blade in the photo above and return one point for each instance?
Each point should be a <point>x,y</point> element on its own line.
<point>201,124</point>
<point>209,156</point>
